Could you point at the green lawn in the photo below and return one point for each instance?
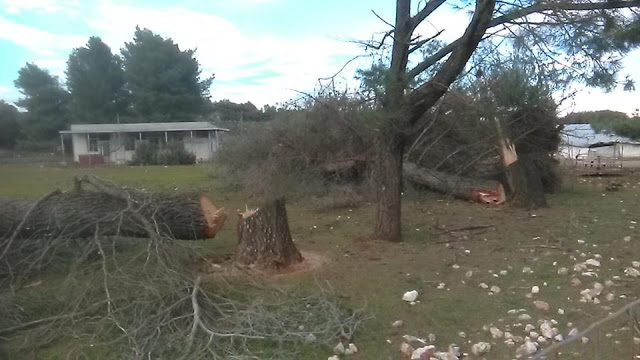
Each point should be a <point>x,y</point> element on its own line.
<point>375,274</point>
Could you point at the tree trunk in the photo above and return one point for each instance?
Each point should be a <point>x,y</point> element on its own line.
<point>76,214</point>
<point>264,239</point>
<point>389,181</point>
<point>526,189</point>
<point>484,191</point>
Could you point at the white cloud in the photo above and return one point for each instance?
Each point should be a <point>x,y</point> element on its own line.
<point>40,42</point>
<point>47,6</point>
<point>227,51</point>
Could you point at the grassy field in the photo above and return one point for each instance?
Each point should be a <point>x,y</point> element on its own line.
<point>583,222</point>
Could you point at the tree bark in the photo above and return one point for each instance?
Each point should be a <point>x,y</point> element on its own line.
<point>484,191</point>
<point>76,214</point>
<point>525,186</point>
<point>389,181</point>
<point>264,239</point>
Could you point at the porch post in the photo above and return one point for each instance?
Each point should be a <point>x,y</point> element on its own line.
<point>166,138</point>
<point>62,147</point>
<point>210,145</point>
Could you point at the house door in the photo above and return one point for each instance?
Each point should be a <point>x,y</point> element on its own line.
<point>103,148</point>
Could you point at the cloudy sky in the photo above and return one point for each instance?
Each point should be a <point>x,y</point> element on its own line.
<point>260,50</point>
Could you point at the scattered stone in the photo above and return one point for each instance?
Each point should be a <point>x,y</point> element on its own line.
<point>524,317</point>
<point>495,289</point>
<point>541,340</point>
<point>425,352</point>
<point>334,357</point>
<point>585,339</point>
<point>610,297</point>
<point>397,323</point>
<point>526,270</point>
<point>410,296</point>
<point>469,274</point>
<point>579,267</point>
<point>411,339</point>
<point>561,311</point>
<point>609,283</point>
<point>509,342</point>
<point>547,330</point>
<point>627,238</point>
<point>576,282</point>
<point>529,327</point>
<point>535,289</point>
<point>534,335</point>
<point>573,332</point>
<point>527,349</point>
<point>339,349</point>
<point>563,271</point>
<point>432,338</point>
<point>352,349</point>
<point>483,285</point>
<point>504,272</point>
<point>559,337</point>
<point>455,266</point>
<point>541,305</point>
<point>635,264</point>
<point>406,349</point>
<point>633,272</point>
<point>310,338</point>
<point>441,286</point>
<point>496,333</point>
<point>592,262</point>
<point>462,334</point>
<point>481,348</point>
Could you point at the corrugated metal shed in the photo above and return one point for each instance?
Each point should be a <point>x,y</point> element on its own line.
<point>142,127</point>
<point>583,135</point>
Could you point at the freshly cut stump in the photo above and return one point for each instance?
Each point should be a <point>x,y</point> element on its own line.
<point>264,239</point>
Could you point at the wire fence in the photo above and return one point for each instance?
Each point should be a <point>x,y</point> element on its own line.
<point>597,341</point>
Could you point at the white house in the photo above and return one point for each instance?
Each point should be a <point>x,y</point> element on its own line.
<point>116,143</point>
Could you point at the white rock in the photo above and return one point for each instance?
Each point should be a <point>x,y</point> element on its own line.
<point>579,267</point>
<point>535,289</point>
<point>526,349</point>
<point>481,348</point>
<point>534,335</point>
<point>462,334</point>
<point>455,266</point>
<point>592,262</point>
<point>585,340</point>
<point>495,289</point>
<point>483,285</point>
<point>610,297</point>
<point>529,327</point>
<point>334,357</point>
<point>573,332</point>
<point>632,272</point>
<point>338,349</point>
<point>411,339</point>
<point>524,317</point>
<point>432,338</point>
<point>576,282</point>
<point>635,264</point>
<point>352,349</point>
<point>541,305</point>
<point>417,353</point>
<point>410,296</point>
<point>546,329</point>
<point>541,340</point>
<point>526,270</point>
<point>441,286</point>
<point>504,272</point>
<point>510,342</point>
<point>609,283</point>
<point>406,349</point>
<point>469,274</point>
<point>563,271</point>
<point>627,238</point>
<point>397,323</point>
<point>561,311</point>
<point>496,333</point>
<point>310,338</point>
<point>598,288</point>
<point>559,337</point>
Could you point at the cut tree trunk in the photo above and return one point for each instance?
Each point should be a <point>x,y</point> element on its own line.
<point>389,181</point>
<point>483,191</point>
<point>117,211</point>
<point>264,239</point>
<point>526,189</point>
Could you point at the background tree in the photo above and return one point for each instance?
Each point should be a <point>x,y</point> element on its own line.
<point>164,81</point>
<point>45,101</point>
<point>561,29</point>
<point>9,125</point>
<point>95,79</point>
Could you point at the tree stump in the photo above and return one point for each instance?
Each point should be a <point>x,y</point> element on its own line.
<point>264,239</point>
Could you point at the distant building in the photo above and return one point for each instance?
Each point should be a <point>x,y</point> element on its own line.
<point>582,144</point>
<point>116,143</point>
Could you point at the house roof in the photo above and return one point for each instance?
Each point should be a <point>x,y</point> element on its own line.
<point>141,127</point>
<point>583,135</point>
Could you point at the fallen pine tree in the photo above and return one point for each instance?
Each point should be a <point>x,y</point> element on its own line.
<point>117,210</point>
<point>484,191</point>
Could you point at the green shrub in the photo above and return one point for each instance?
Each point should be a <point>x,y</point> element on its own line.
<point>173,153</point>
